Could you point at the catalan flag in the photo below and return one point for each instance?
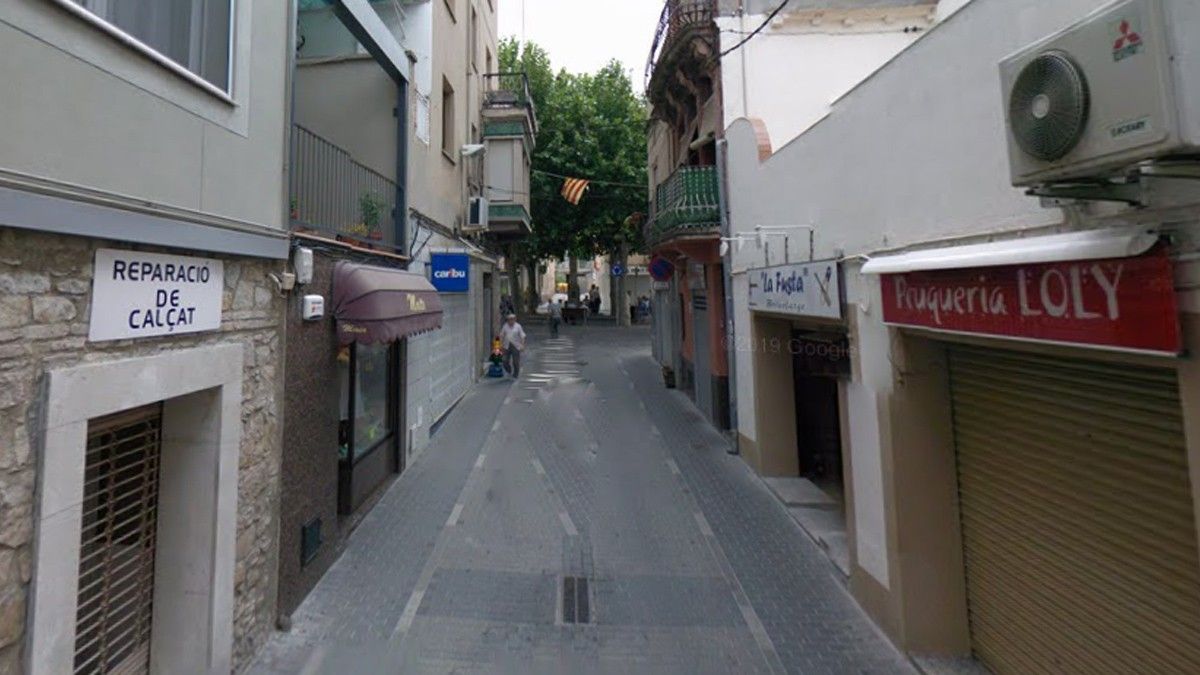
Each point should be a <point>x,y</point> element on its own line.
<point>573,189</point>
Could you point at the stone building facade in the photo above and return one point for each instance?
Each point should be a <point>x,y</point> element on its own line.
<point>45,303</point>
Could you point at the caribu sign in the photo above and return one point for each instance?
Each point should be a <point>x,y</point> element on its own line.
<point>450,272</point>
<point>802,289</point>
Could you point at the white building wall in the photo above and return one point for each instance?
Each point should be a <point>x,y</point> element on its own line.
<point>914,155</point>
<point>790,74</point>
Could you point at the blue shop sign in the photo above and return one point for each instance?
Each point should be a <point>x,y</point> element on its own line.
<point>450,272</point>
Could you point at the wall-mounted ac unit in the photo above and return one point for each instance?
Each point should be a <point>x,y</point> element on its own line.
<point>1119,87</point>
<point>477,215</point>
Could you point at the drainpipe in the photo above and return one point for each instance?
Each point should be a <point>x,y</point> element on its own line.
<point>726,268</point>
<point>400,217</point>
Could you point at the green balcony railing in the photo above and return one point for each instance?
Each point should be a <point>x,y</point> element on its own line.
<point>686,203</point>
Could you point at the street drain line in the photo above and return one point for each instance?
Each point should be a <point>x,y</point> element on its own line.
<point>576,604</point>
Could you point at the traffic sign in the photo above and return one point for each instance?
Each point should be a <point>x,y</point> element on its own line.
<point>618,270</point>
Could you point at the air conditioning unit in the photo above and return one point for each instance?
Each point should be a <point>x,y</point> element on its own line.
<point>1119,87</point>
<point>477,215</point>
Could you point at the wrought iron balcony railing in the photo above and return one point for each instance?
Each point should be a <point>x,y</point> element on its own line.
<point>509,90</point>
<point>332,194</point>
<point>686,203</point>
<point>680,20</point>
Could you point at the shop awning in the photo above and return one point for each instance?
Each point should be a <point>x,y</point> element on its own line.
<point>377,304</point>
<point>1089,245</point>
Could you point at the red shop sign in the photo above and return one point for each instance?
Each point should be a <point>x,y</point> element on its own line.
<point>1124,303</point>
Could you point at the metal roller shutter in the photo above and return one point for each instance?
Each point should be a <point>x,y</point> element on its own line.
<point>1078,530</point>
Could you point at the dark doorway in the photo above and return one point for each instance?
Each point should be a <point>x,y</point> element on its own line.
<point>817,363</point>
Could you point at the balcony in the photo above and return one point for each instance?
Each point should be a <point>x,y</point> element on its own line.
<point>685,205</point>
<point>682,57</point>
<point>334,196</point>
<point>508,106</point>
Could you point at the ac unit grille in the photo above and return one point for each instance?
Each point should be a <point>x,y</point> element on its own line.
<point>1048,107</point>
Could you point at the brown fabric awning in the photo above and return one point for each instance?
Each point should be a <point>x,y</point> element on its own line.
<point>378,304</point>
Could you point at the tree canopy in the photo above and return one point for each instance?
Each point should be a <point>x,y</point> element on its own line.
<point>591,126</point>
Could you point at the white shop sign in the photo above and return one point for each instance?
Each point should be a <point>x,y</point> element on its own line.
<point>803,289</point>
<point>139,295</point>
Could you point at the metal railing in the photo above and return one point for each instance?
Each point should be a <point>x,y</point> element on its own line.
<point>686,202</point>
<point>679,17</point>
<point>334,195</point>
<point>509,90</point>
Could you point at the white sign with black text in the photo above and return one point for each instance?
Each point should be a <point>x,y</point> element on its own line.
<point>801,289</point>
<point>138,295</point>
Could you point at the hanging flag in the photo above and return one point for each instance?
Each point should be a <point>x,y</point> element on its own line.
<point>573,189</point>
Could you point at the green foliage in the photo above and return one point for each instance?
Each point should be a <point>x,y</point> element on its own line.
<point>590,126</point>
<point>370,208</point>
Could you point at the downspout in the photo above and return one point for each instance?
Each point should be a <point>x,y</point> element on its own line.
<point>726,267</point>
<point>400,216</point>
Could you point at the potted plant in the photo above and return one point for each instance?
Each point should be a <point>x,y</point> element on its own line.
<point>370,208</point>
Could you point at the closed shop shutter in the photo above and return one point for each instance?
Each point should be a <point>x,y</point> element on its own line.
<point>451,360</point>
<point>1078,529</point>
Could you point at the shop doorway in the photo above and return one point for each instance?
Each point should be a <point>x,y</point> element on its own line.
<point>816,496</point>
<point>818,361</point>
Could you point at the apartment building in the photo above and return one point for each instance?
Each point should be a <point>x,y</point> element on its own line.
<point>142,236</point>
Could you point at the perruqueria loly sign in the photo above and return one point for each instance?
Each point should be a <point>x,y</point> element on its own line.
<point>1123,303</point>
<point>138,295</point>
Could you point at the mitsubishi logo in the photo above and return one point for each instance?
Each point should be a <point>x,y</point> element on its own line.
<point>1128,43</point>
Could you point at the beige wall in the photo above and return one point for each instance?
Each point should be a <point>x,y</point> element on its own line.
<point>437,183</point>
<point>349,102</point>
<point>81,110</point>
<point>774,398</point>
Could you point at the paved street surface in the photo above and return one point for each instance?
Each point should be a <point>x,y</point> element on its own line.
<point>587,468</point>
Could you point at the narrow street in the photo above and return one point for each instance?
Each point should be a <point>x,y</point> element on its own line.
<point>587,468</point>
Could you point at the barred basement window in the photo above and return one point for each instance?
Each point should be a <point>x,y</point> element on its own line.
<point>116,558</point>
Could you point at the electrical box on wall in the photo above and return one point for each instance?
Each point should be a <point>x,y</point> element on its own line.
<point>313,307</point>
<point>303,262</point>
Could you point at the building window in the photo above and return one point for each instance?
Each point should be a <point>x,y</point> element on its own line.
<point>195,34</point>
<point>117,543</point>
<point>473,37</point>
<point>487,84</point>
<point>447,119</point>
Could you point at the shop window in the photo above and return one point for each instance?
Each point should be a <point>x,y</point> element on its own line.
<point>365,372</point>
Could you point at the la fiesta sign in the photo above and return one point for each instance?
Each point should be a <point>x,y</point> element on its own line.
<point>1123,303</point>
<point>139,295</point>
<point>803,289</point>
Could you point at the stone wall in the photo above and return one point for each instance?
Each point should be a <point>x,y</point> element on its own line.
<point>45,295</point>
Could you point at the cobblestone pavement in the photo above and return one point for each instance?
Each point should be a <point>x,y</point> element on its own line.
<point>586,468</point>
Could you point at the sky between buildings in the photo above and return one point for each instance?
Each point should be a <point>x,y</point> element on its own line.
<point>583,35</point>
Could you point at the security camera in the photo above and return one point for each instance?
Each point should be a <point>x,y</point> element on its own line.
<point>472,149</point>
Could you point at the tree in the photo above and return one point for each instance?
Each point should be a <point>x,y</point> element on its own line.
<point>591,126</point>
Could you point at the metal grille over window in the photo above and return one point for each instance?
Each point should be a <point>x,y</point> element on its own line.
<point>116,565</point>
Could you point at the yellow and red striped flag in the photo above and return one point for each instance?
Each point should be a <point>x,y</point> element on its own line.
<point>573,189</point>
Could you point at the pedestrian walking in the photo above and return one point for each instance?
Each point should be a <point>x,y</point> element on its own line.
<point>556,316</point>
<point>632,307</point>
<point>512,337</point>
<point>594,300</point>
